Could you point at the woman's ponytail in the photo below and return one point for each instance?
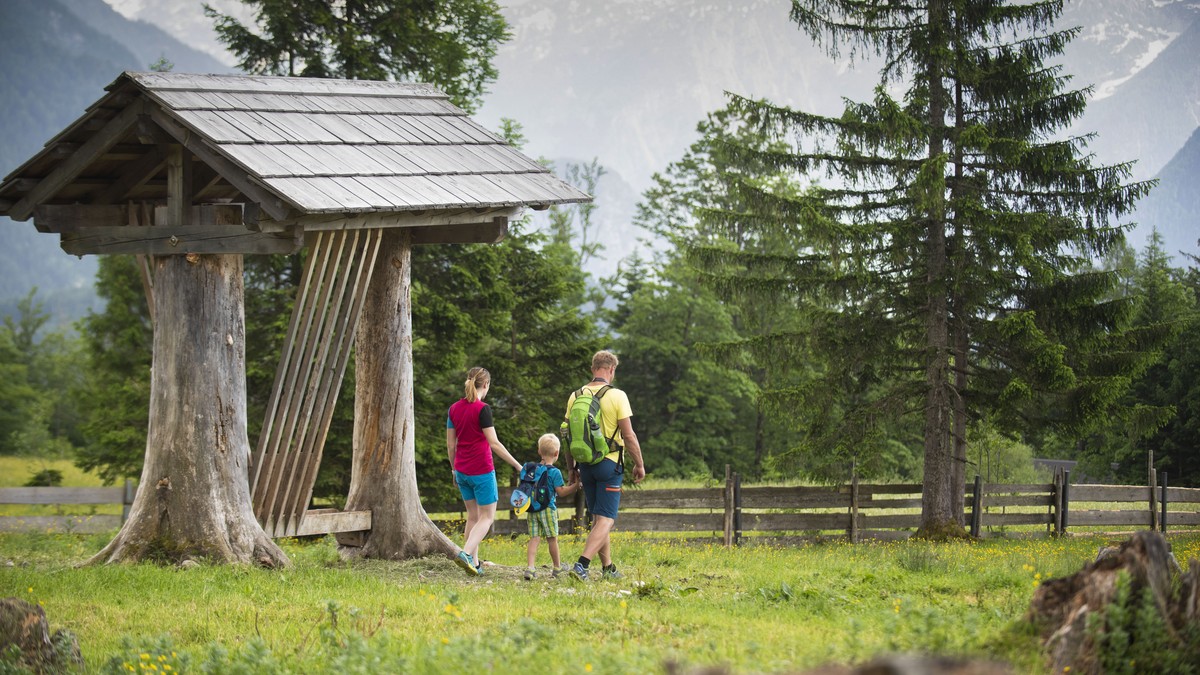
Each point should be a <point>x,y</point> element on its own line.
<point>477,378</point>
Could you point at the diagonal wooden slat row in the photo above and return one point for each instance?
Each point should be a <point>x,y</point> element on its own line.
<point>311,367</point>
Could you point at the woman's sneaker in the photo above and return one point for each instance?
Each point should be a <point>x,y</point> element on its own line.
<point>465,561</point>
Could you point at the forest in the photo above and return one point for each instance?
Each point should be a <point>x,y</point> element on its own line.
<point>933,273</point>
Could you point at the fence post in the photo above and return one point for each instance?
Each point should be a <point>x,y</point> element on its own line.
<point>977,507</point>
<point>854,506</point>
<point>1056,498</point>
<point>1066,499</point>
<point>127,502</point>
<point>737,509</point>
<point>1153,499</point>
<point>1162,522</point>
<point>728,495</point>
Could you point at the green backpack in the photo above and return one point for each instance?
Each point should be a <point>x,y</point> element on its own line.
<point>581,432</point>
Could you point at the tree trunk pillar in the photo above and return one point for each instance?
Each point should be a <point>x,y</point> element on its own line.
<point>383,476</point>
<point>194,497</point>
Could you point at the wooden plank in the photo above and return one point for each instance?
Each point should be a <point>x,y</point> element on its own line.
<point>62,495</point>
<point>796,521</point>
<point>1183,495</point>
<point>471,233</point>
<point>994,519</point>
<point>669,522</point>
<point>331,222</point>
<point>989,488</point>
<point>1176,518</point>
<point>73,217</point>
<point>1019,500</point>
<point>330,521</point>
<point>686,498</point>
<point>133,175</point>
<point>876,504</point>
<point>166,240</point>
<point>236,175</point>
<point>70,168</point>
<point>1080,518</point>
<point>97,524</point>
<point>894,521</point>
<point>1108,493</point>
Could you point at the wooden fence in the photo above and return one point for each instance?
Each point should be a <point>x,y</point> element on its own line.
<point>733,514</point>
<point>86,524</point>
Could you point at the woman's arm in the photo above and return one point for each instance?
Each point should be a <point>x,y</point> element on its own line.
<point>451,444</point>
<point>498,448</point>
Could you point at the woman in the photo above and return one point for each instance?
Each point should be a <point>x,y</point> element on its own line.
<point>470,442</point>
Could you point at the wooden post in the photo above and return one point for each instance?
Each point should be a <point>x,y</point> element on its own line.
<point>1162,522</point>
<point>854,503</point>
<point>1066,499</point>
<point>1056,501</point>
<point>127,501</point>
<point>1153,496</point>
<point>737,509</point>
<point>977,507</point>
<point>728,498</point>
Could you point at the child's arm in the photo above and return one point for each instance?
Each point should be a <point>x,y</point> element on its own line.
<point>569,489</point>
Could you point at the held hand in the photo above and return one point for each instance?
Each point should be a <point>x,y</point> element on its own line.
<point>639,472</point>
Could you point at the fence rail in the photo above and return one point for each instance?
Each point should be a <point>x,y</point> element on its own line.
<point>46,496</point>
<point>879,511</point>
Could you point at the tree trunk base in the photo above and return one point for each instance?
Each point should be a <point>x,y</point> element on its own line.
<point>134,545</point>
<point>949,530</point>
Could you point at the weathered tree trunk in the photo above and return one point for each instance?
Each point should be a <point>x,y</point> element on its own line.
<point>384,473</point>
<point>193,500</point>
<point>938,520</point>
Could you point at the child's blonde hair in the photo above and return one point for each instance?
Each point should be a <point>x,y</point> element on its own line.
<point>547,445</point>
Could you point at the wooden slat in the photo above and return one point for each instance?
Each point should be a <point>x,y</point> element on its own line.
<point>133,175</point>
<point>1018,500</point>
<point>1177,518</point>
<point>470,233</point>
<point>668,522</point>
<point>895,521</point>
<point>331,521</point>
<point>687,498</point>
<point>1108,493</point>
<point>70,168</point>
<point>997,519</point>
<point>1183,495</point>
<point>797,521</point>
<point>62,495</point>
<point>1080,518</point>
<point>989,488</point>
<point>97,524</point>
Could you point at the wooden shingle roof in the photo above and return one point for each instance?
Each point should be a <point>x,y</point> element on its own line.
<point>291,148</point>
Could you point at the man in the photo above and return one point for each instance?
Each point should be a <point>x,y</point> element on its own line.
<point>602,481</point>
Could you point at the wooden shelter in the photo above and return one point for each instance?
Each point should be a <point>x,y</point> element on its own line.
<point>172,163</point>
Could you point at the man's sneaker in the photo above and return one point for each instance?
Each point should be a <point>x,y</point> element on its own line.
<point>610,572</point>
<point>579,572</point>
<point>465,561</point>
<point>530,574</point>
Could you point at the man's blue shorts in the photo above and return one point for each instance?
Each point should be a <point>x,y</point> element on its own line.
<point>481,488</point>
<point>602,487</point>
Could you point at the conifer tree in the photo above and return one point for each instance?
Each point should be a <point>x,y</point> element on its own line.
<point>949,253</point>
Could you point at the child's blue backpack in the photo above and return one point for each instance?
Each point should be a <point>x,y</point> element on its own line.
<point>536,487</point>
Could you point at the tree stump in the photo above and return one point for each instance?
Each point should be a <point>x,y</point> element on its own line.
<point>384,471</point>
<point>1062,607</point>
<point>194,497</point>
<point>25,626</point>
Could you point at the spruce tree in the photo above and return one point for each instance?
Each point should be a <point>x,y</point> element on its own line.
<point>952,243</point>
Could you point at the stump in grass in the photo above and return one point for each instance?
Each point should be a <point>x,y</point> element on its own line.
<point>1124,606</point>
<point>24,626</point>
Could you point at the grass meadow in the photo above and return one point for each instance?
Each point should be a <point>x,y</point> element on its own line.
<point>760,608</point>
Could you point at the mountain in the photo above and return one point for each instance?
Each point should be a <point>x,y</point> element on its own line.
<point>59,55</point>
<point>1174,206</point>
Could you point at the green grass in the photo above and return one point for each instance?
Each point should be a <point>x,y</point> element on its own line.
<point>16,471</point>
<point>754,609</point>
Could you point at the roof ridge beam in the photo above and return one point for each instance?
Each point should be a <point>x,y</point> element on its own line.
<point>70,169</point>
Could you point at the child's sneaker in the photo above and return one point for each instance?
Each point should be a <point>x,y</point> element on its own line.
<point>610,572</point>
<point>579,572</point>
<point>465,561</point>
<point>565,569</point>
<point>530,574</point>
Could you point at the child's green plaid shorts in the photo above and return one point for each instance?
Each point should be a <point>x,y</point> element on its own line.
<point>544,523</point>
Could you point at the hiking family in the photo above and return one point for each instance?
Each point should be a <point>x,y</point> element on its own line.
<point>597,432</point>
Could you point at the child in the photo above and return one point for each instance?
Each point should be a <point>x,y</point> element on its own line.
<point>544,523</point>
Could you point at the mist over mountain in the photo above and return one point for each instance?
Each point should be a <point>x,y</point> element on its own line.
<point>623,81</point>
<point>59,55</point>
